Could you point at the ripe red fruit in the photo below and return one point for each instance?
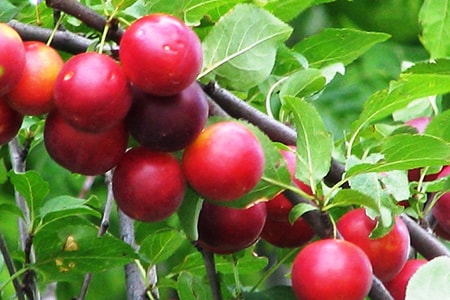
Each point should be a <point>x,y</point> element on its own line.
<point>278,208</point>
<point>331,269</point>
<point>12,58</point>
<point>224,162</point>
<point>387,254</point>
<point>83,152</point>
<point>441,210</point>
<point>226,230</point>
<point>286,235</point>
<point>397,285</point>
<point>160,54</point>
<point>10,122</point>
<point>33,94</point>
<point>148,186</point>
<point>92,93</point>
<point>168,123</point>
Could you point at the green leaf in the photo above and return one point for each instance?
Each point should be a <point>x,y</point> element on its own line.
<point>122,4</point>
<point>32,187</point>
<point>430,281</point>
<point>416,83</point>
<point>350,197</point>
<point>190,287</point>
<point>65,206</point>
<point>440,126</point>
<point>188,213</point>
<point>190,11</point>
<point>405,151</point>
<point>248,263</point>
<point>299,209</point>
<point>439,185</point>
<point>276,292</point>
<point>434,17</point>
<point>192,263</point>
<point>160,245</point>
<point>241,48</point>
<point>334,45</point>
<point>3,172</point>
<point>7,11</point>
<point>286,10</point>
<point>10,208</point>
<point>69,248</point>
<point>303,83</point>
<point>314,142</point>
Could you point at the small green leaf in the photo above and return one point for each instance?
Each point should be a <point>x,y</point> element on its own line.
<point>439,185</point>
<point>188,213</point>
<point>192,263</point>
<point>32,187</point>
<point>10,208</point>
<point>65,206</point>
<point>350,197</point>
<point>7,11</point>
<point>405,152</point>
<point>434,17</point>
<point>160,245</point>
<point>241,48</point>
<point>303,83</point>
<point>299,209</point>
<point>248,263</point>
<point>190,287</point>
<point>430,281</point>
<point>314,142</point>
<point>439,126</point>
<point>3,171</point>
<point>341,45</point>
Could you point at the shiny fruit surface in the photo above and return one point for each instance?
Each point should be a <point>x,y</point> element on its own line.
<point>10,122</point>
<point>12,58</point>
<point>168,123</point>
<point>331,269</point>
<point>148,186</point>
<point>387,254</point>
<point>160,54</point>
<point>226,230</point>
<point>83,152</point>
<point>33,94</point>
<point>224,162</point>
<point>283,234</point>
<point>92,93</point>
<point>397,285</point>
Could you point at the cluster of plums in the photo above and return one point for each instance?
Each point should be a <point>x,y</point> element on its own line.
<point>93,104</point>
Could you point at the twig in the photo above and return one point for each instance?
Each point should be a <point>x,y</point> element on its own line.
<point>18,156</point>
<point>88,16</point>
<point>210,265</point>
<point>104,225</point>
<point>63,40</point>
<point>422,241</point>
<point>11,269</point>
<point>135,285</point>
<point>87,185</point>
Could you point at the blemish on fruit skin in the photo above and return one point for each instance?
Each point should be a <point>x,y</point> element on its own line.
<point>2,70</point>
<point>68,75</point>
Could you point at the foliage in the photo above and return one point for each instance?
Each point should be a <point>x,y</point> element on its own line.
<point>346,91</point>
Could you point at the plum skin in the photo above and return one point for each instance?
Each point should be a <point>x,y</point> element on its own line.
<point>148,186</point>
<point>168,123</point>
<point>160,54</point>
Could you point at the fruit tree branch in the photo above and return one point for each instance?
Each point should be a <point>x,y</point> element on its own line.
<point>87,15</point>
<point>63,40</point>
<point>11,268</point>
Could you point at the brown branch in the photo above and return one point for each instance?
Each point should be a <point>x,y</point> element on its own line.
<point>88,16</point>
<point>11,268</point>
